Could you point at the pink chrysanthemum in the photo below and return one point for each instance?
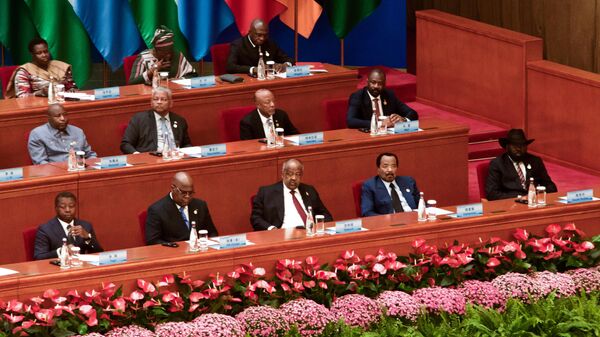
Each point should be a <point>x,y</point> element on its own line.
<point>356,310</point>
<point>519,286</point>
<point>587,280</point>
<point>130,331</point>
<point>263,321</point>
<point>93,334</point>
<point>399,304</point>
<point>483,293</point>
<point>438,299</point>
<point>562,284</point>
<point>217,325</point>
<point>309,317</point>
<point>175,329</point>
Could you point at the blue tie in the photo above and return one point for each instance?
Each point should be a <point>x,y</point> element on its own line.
<point>185,219</point>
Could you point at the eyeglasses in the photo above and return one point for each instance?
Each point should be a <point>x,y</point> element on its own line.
<point>184,193</point>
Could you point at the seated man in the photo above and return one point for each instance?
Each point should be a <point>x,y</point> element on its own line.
<point>170,218</point>
<point>380,193</point>
<point>509,173</point>
<point>32,79</point>
<point>48,239</point>
<point>278,205</point>
<point>147,130</point>
<point>50,142</point>
<point>375,98</point>
<point>244,52</point>
<point>160,58</point>
<point>265,118</point>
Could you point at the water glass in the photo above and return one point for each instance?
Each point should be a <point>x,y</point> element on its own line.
<point>80,156</point>
<point>431,204</point>
<point>382,125</point>
<point>270,70</point>
<point>75,258</point>
<point>203,240</point>
<point>279,137</point>
<point>320,224</point>
<point>60,93</point>
<point>541,195</point>
<point>164,78</point>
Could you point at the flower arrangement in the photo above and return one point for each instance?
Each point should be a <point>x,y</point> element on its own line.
<point>263,321</point>
<point>483,293</point>
<point>437,300</point>
<point>559,283</point>
<point>356,310</point>
<point>309,317</point>
<point>587,280</point>
<point>399,304</point>
<point>130,331</point>
<point>217,325</point>
<point>175,329</point>
<point>520,286</point>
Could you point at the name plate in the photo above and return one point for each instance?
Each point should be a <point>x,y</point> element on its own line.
<point>116,256</point>
<point>104,93</point>
<point>213,150</point>
<point>114,161</point>
<point>348,226</point>
<point>465,211</point>
<point>11,174</point>
<point>203,82</point>
<point>310,138</point>
<point>232,241</point>
<point>406,127</point>
<point>580,196</point>
<point>297,71</point>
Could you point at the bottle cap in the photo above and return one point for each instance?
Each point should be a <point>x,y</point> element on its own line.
<point>80,153</point>
<point>319,217</point>
<point>203,231</point>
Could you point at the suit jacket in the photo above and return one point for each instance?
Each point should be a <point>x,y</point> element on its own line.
<point>251,125</point>
<point>49,238</point>
<point>268,206</point>
<point>360,108</point>
<point>165,224</point>
<point>375,199</point>
<point>141,134</point>
<point>503,180</point>
<point>242,55</point>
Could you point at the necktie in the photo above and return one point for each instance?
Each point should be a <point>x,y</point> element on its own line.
<point>520,173</point>
<point>185,219</point>
<point>396,200</point>
<point>70,238</point>
<point>377,111</point>
<point>298,207</point>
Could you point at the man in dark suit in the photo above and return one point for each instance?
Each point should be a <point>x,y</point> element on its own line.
<point>142,133</point>
<point>509,174</point>
<point>170,218</point>
<point>380,193</point>
<point>244,52</point>
<point>49,236</point>
<point>259,121</point>
<point>278,205</point>
<point>375,98</point>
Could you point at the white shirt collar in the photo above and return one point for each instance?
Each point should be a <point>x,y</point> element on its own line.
<point>373,97</point>
<point>65,225</point>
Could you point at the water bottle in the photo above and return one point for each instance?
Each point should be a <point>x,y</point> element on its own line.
<point>203,239</point>
<point>531,194</point>
<point>310,223</point>
<point>373,124</point>
<point>72,159</point>
<point>260,68</point>
<point>271,134</point>
<point>166,152</point>
<point>421,209</point>
<point>193,242</point>
<point>63,256</point>
<point>155,77</point>
<point>51,91</point>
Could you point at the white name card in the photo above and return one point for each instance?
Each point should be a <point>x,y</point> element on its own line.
<point>232,241</point>
<point>310,138</point>
<point>213,150</point>
<point>580,196</point>
<point>115,256</point>
<point>297,71</point>
<point>202,82</point>
<point>114,161</point>
<point>406,127</point>
<point>11,174</point>
<point>347,226</point>
<point>104,93</point>
<point>464,211</point>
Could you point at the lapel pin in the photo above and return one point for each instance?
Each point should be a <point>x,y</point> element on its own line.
<point>384,102</point>
<point>529,166</point>
<point>195,211</point>
<point>175,124</point>
<point>267,53</point>
<point>408,190</point>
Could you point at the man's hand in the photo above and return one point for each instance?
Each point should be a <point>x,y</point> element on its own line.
<point>279,67</point>
<point>393,119</point>
<point>79,231</point>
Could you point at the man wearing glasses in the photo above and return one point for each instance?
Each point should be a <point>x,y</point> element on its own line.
<point>284,204</point>
<point>170,218</point>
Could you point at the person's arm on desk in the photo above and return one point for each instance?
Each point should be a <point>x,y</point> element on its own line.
<point>42,248</point>
<point>153,227</point>
<point>37,150</point>
<point>353,119</point>
<point>367,201</point>
<point>256,218</point>
<point>130,137</point>
<point>233,66</point>
<point>493,184</point>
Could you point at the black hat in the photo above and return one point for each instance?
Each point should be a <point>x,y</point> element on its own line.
<point>515,137</point>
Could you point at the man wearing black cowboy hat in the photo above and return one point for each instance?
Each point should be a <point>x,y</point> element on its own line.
<point>509,173</point>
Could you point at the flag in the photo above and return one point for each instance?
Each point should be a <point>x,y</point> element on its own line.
<point>149,14</point>
<point>67,39</point>
<point>345,14</point>
<point>245,11</point>
<point>308,13</point>
<point>201,22</point>
<point>111,28</point>
<point>16,29</point>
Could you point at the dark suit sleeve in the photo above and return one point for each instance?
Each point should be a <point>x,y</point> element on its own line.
<point>131,136</point>
<point>353,116</point>
<point>233,63</point>
<point>415,192</point>
<point>493,183</point>
<point>258,209</point>
<point>153,226</point>
<point>289,127</point>
<point>319,207</point>
<point>246,129</point>
<point>404,110</point>
<point>279,55</point>
<point>543,178</point>
<point>207,222</point>
<point>94,245</point>
<point>367,200</point>
<point>185,137</point>
<point>43,246</point>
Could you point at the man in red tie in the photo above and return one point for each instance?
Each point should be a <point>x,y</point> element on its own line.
<point>376,99</point>
<point>284,204</point>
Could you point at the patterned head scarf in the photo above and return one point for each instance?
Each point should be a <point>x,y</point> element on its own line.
<point>163,37</point>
